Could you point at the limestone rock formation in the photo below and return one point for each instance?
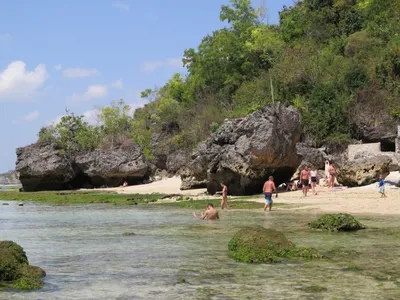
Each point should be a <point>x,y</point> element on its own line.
<point>364,171</point>
<point>111,167</point>
<point>15,271</point>
<point>44,167</point>
<point>245,151</point>
<point>9,178</point>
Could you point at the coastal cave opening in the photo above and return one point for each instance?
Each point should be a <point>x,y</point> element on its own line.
<point>388,146</point>
<point>81,181</point>
<point>241,186</point>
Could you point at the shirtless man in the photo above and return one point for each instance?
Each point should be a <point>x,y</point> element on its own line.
<point>268,189</point>
<point>210,213</point>
<point>224,201</point>
<point>305,180</point>
<point>332,176</point>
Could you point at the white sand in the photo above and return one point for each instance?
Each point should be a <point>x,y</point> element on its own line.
<point>363,200</point>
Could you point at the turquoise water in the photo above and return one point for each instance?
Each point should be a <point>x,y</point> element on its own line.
<point>85,255</point>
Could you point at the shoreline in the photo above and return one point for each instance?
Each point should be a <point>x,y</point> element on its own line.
<point>359,200</point>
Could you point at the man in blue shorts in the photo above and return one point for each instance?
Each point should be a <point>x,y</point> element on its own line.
<point>268,189</point>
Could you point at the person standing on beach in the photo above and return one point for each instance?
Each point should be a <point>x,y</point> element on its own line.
<point>305,180</point>
<point>268,189</point>
<point>332,176</point>
<point>224,201</point>
<point>327,179</point>
<point>381,186</point>
<point>314,179</point>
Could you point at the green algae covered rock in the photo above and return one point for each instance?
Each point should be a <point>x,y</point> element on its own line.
<point>336,222</point>
<point>261,245</point>
<point>15,271</point>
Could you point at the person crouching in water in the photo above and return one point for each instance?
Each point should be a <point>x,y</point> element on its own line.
<point>268,189</point>
<point>381,186</point>
<point>210,213</point>
<point>224,200</point>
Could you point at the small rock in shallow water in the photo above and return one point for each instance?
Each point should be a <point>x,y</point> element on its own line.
<point>5,204</point>
<point>336,222</point>
<point>20,204</point>
<point>129,233</point>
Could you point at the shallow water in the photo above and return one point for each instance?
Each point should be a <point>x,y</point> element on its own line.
<point>85,255</point>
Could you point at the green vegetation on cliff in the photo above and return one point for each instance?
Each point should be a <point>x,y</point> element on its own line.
<point>331,59</point>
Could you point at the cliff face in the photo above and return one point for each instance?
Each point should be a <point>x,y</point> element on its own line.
<point>9,178</point>
<point>44,167</point>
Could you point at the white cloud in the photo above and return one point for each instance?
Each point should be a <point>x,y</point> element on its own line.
<point>17,83</point>
<point>172,63</point>
<point>117,84</point>
<point>96,91</point>
<point>58,67</point>
<point>32,116</point>
<point>4,37</point>
<point>120,5</point>
<point>80,72</point>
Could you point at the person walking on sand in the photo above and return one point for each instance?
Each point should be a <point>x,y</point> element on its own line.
<point>210,213</point>
<point>268,189</point>
<point>332,176</point>
<point>305,180</point>
<point>224,200</point>
<point>381,186</point>
<point>314,179</point>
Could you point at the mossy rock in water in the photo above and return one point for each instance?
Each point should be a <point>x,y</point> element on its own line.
<point>336,222</point>
<point>15,271</point>
<point>261,245</point>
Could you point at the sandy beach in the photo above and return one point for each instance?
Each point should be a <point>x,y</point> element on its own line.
<point>361,200</point>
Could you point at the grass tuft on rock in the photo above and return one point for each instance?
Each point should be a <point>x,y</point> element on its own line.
<point>260,245</point>
<point>336,222</point>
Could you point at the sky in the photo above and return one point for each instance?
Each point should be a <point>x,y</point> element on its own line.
<point>81,55</point>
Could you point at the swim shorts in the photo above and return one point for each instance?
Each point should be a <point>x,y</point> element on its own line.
<point>268,198</point>
<point>381,189</point>
<point>304,182</point>
<point>313,179</point>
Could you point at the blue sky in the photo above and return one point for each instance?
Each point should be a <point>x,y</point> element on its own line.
<point>84,54</point>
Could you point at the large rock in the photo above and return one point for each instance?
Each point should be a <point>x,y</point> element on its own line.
<point>245,151</point>
<point>112,167</point>
<point>393,178</point>
<point>15,271</point>
<point>371,121</point>
<point>160,146</point>
<point>311,156</point>
<point>44,167</point>
<point>364,171</point>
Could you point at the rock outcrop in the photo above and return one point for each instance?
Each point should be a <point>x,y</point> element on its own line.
<point>111,167</point>
<point>245,151</point>
<point>45,167</point>
<point>364,171</point>
<point>15,271</point>
<point>9,178</point>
